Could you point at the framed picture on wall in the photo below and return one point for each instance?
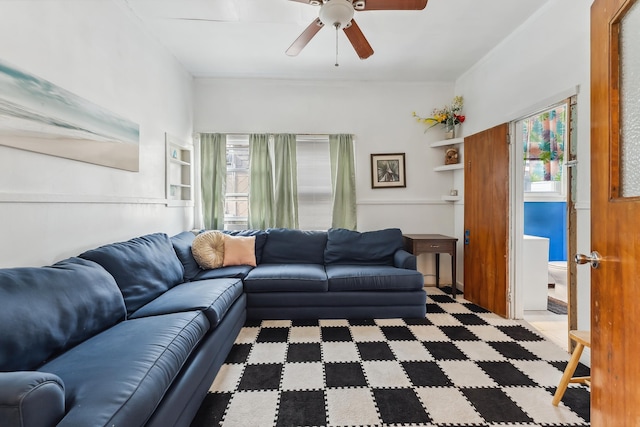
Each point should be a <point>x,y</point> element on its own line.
<point>387,170</point>
<point>37,115</point>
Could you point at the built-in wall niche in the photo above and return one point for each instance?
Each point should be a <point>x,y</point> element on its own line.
<point>179,173</point>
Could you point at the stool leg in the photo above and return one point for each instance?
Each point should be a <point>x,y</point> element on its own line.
<point>568,373</point>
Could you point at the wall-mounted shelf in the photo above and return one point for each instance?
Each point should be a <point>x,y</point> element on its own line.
<point>444,168</point>
<point>179,176</point>
<point>448,167</point>
<point>446,142</point>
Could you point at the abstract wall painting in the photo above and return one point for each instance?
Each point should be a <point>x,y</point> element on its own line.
<point>36,115</point>
<point>387,171</point>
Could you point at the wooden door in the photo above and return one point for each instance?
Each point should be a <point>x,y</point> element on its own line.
<point>615,217</point>
<point>486,219</point>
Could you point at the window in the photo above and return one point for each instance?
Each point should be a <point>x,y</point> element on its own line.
<point>314,182</point>
<point>544,137</point>
<point>236,201</point>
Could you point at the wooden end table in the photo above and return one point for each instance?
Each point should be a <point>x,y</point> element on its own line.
<point>434,244</point>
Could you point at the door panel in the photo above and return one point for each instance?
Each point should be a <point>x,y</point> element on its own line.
<point>486,219</point>
<point>615,225</point>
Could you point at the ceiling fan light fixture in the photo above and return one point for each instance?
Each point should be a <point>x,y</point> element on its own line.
<point>336,13</point>
<point>359,4</point>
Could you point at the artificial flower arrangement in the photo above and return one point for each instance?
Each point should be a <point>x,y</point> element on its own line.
<point>449,116</point>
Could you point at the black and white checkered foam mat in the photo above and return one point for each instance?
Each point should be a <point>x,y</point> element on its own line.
<point>459,366</point>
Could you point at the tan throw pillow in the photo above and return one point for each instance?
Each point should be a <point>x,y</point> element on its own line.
<point>239,250</point>
<point>208,249</point>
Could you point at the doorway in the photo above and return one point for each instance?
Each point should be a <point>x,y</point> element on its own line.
<point>543,233</point>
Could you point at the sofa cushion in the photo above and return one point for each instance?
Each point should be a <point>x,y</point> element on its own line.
<point>182,246</point>
<point>372,278</point>
<point>287,246</point>
<point>144,267</point>
<point>286,277</point>
<point>50,309</point>
<point>213,297</point>
<point>239,250</point>
<point>261,239</point>
<point>118,377</point>
<point>234,271</point>
<point>368,248</point>
<point>208,249</point>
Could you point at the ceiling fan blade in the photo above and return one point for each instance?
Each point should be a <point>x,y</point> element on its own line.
<point>305,37</point>
<point>394,4</point>
<point>312,2</point>
<point>358,40</point>
<point>200,19</point>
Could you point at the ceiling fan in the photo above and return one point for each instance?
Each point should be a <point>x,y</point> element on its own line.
<point>339,14</point>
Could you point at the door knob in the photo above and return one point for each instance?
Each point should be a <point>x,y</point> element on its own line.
<point>594,258</point>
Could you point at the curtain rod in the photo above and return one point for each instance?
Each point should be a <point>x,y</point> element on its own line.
<point>249,133</point>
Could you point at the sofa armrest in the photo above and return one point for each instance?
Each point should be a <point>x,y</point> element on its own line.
<point>31,399</point>
<point>403,259</point>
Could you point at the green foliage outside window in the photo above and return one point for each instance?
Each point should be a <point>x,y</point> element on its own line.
<point>544,137</point>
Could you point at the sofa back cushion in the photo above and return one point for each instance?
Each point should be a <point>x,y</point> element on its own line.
<point>144,267</point>
<point>368,248</point>
<point>44,311</point>
<point>289,246</point>
<point>182,245</point>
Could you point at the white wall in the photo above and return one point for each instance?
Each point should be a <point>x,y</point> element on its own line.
<point>51,208</point>
<point>377,113</point>
<point>540,63</point>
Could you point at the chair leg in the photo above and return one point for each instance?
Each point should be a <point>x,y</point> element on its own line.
<point>568,373</point>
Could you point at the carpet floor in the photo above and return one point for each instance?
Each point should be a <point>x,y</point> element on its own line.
<point>459,366</point>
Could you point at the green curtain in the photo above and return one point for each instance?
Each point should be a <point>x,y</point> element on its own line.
<point>343,180</point>
<point>213,178</point>
<point>261,198</point>
<point>285,206</point>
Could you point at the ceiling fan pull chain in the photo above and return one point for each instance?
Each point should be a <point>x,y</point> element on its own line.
<point>337,25</point>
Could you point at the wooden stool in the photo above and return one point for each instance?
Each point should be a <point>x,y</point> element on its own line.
<point>582,339</point>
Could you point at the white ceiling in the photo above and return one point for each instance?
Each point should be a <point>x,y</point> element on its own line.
<point>248,38</point>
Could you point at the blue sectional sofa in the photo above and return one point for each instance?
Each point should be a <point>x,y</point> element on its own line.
<point>133,333</point>
<point>322,274</point>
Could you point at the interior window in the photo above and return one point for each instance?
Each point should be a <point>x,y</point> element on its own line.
<point>236,201</point>
<point>314,182</point>
<point>544,137</point>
